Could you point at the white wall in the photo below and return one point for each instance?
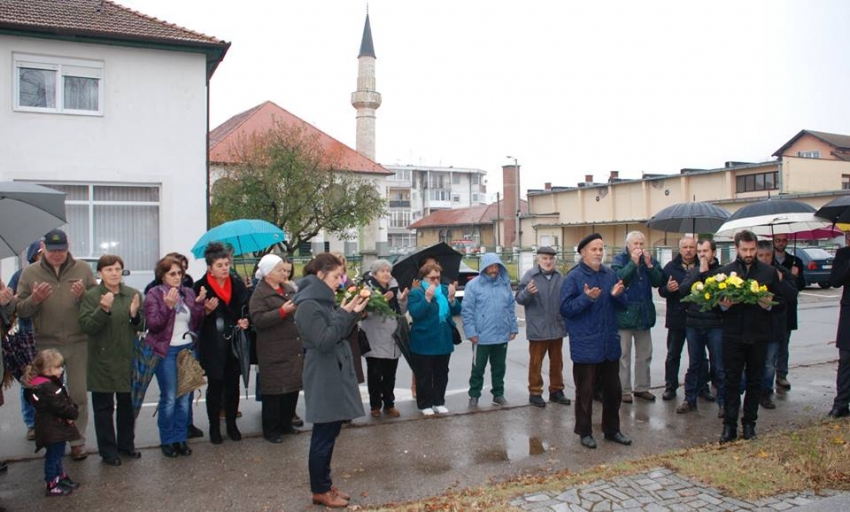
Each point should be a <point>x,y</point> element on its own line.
<point>153,131</point>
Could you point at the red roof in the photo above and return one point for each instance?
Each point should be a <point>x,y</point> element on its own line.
<point>97,21</point>
<point>473,215</point>
<point>226,137</point>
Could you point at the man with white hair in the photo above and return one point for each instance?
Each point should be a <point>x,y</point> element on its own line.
<point>640,273</point>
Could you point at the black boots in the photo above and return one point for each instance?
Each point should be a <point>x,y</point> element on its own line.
<point>232,431</point>
<point>215,433</point>
<point>730,433</point>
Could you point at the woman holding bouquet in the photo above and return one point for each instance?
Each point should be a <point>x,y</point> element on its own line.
<point>382,358</point>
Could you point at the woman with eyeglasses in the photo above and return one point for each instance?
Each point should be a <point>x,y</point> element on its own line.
<point>432,306</point>
<point>172,312</point>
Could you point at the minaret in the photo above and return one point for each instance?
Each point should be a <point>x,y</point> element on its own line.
<point>366,99</point>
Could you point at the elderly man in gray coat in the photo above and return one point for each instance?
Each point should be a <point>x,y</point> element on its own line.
<point>539,291</point>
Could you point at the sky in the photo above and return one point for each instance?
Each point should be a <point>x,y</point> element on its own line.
<point>567,88</point>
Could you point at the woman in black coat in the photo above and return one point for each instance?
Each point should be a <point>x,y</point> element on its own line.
<point>840,276</point>
<point>225,308</point>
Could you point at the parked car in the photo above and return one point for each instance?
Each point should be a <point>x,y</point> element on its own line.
<point>817,264</point>
<point>465,275</point>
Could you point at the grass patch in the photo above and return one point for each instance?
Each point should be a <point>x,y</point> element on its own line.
<point>814,457</point>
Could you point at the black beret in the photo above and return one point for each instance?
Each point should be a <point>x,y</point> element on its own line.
<point>589,238</point>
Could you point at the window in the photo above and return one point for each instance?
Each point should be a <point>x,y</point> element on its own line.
<point>399,218</point>
<point>808,154</point>
<point>474,197</point>
<point>56,85</point>
<point>845,182</point>
<point>756,182</point>
<point>440,195</point>
<point>400,175</point>
<point>456,198</point>
<point>473,179</point>
<point>113,219</point>
<point>455,178</point>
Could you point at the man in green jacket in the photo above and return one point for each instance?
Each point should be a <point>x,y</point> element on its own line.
<point>49,293</point>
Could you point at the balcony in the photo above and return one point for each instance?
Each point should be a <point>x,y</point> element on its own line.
<point>400,204</point>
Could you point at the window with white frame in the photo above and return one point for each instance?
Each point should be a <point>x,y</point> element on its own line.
<point>455,178</point>
<point>58,85</point>
<point>113,219</point>
<point>400,175</point>
<point>474,178</point>
<point>455,198</point>
<point>399,218</point>
<point>808,154</point>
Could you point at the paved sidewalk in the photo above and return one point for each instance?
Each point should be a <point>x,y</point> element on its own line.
<point>659,490</point>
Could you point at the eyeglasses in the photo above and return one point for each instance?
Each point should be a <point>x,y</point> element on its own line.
<point>432,278</point>
<point>175,273</point>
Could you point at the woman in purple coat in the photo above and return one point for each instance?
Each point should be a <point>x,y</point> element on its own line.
<point>173,312</point>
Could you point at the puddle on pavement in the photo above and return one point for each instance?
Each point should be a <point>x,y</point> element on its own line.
<point>516,449</point>
<point>655,422</point>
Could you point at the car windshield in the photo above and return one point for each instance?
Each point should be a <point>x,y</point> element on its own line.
<point>817,254</point>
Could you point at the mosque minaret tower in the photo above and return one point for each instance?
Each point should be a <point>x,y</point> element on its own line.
<point>366,99</point>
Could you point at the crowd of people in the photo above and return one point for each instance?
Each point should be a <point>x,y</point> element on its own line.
<point>90,335</point>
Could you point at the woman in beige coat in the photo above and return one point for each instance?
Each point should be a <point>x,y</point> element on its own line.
<point>279,351</point>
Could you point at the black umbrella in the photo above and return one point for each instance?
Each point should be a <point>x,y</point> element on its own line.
<point>771,207</point>
<point>29,211</point>
<point>406,269</point>
<point>836,211</point>
<point>692,217</point>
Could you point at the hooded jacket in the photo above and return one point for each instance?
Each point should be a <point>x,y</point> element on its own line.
<point>543,320</point>
<point>56,320</point>
<point>489,307</point>
<point>55,412</point>
<point>330,382</point>
<point>592,324</point>
<point>639,282</point>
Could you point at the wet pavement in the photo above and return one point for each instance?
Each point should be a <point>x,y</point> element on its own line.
<point>390,460</point>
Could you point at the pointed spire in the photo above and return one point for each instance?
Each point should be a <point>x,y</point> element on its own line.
<point>367,49</point>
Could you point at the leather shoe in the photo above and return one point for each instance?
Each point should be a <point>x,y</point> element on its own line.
<point>838,412</point>
<point>168,450</point>
<point>730,433</point>
<point>133,454</point>
<point>291,431</point>
<point>588,442</point>
<point>341,494</point>
<point>297,422</point>
<point>330,499</point>
<point>783,382</point>
<point>559,398</point>
<point>79,453</point>
<point>721,412</point>
<point>766,402</point>
<point>194,432</point>
<point>669,394</point>
<point>215,435</point>
<point>274,439</point>
<point>182,449</point>
<point>112,461</point>
<point>706,395</point>
<point>619,438</point>
<point>536,401</point>
<point>749,431</point>
<point>686,407</point>
<point>233,432</point>
<point>645,395</point>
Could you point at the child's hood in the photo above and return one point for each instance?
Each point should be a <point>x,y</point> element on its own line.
<point>38,380</point>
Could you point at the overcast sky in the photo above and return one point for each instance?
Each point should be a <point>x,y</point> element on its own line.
<point>568,88</point>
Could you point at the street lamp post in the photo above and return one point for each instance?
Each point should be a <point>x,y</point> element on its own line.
<point>518,201</point>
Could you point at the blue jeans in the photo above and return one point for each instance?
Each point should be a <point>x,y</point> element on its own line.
<point>53,461</point>
<point>321,452</point>
<point>770,366</point>
<point>27,411</point>
<point>173,413</point>
<point>782,356</point>
<point>700,339</point>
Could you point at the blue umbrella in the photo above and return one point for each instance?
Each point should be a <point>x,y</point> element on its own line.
<point>244,235</point>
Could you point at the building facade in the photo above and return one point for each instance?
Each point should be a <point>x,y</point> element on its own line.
<point>109,106</point>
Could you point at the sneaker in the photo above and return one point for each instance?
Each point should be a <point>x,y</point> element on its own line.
<point>559,398</point>
<point>627,398</point>
<point>54,488</point>
<point>473,402</point>
<point>441,409</point>
<point>65,480</point>
<point>783,382</point>
<point>536,401</point>
<point>686,407</point>
<point>31,434</point>
<point>296,421</point>
<point>499,400</point>
<point>427,411</point>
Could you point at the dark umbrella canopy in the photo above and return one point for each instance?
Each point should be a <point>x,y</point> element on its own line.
<point>771,207</point>
<point>406,269</point>
<point>695,217</point>
<point>35,210</point>
<point>836,211</point>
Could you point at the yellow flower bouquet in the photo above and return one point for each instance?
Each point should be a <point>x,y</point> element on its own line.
<point>720,286</point>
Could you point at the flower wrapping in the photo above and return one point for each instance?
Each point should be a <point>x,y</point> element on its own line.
<point>377,302</point>
<point>719,287</point>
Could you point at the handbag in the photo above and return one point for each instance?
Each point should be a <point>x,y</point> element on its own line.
<point>363,342</point>
<point>18,352</point>
<point>190,375</point>
<point>457,339</point>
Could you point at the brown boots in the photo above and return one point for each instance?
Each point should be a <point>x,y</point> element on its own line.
<point>331,499</point>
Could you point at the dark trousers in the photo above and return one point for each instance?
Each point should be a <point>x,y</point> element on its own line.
<point>585,376</point>
<point>125,424</point>
<point>738,358</point>
<point>696,378</point>
<point>53,461</point>
<point>497,356</point>
<point>224,392</point>
<point>278,411</point>
<point>380,378</point>
<point>321,452</point>
<point>432,377</point>
<point>537,350</point>
<point>675,345</point>
<point>782,356</point>
<point>842,383</point>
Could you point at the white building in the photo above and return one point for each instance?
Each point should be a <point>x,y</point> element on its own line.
<point>111,107</point>
<point>414,192</point>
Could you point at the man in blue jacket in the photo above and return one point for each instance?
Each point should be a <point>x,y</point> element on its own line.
<point>489,321</point>
<point>640,273</point>
<point>589,299</point>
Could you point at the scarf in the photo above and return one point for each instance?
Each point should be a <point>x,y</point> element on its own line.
<point>181,302</point>
<point>223,292</point>
<point>442,301</point>
<point>375,285</point>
